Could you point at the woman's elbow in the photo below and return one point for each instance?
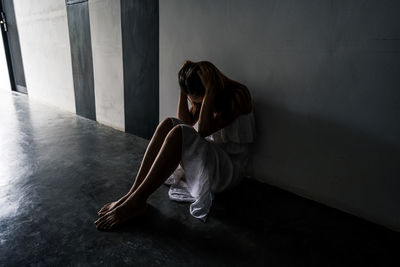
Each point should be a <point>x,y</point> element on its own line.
<point>203,135</point>
<point>180,117</point>
<point>185,119</point>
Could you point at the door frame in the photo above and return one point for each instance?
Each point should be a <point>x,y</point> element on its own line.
<point>8,54</point>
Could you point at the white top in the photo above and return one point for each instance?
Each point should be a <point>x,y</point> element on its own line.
<point>235,139</point>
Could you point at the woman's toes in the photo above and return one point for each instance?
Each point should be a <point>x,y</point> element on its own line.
<point>109,223</point>
<point>104,208</point>
<point>97,222</point>
<point>104,226</point>
<point>102,223</point>
<point>118,215</point>
<point>105,221</point>
<point>102,212</point>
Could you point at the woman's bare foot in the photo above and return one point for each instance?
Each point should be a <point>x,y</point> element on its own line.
<point>120,214</point>
<point>112,205</point>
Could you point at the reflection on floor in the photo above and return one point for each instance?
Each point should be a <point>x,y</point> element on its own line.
<point>58,169</point>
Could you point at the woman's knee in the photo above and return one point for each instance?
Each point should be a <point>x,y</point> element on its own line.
<point>175,131</point>
<point>174,135</point>
<point>166,125</point>
<point>170,122</point>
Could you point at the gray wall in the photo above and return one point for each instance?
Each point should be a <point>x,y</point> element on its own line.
<point>324,80</point>
<point>105,29</point>
<point>45,49</point>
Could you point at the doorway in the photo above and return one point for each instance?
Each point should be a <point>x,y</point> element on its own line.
<point>12,47</point>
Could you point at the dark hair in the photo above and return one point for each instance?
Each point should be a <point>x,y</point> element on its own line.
<point>189,80</point>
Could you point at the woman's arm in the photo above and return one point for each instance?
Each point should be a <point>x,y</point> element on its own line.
<point>241,103</point>
<point>187,116</point>
<point>208,123</point>
<point>206,118</point>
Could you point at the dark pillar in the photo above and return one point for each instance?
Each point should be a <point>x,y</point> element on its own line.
<point>81,55</point>
<point>139,22</point>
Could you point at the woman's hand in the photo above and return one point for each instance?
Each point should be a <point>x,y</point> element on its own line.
<point>182,94</point>
<point>183,112</point>
<point>209,78</point>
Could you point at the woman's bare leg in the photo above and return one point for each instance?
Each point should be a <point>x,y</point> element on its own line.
<point>151,153</point>
<point>134,205</point>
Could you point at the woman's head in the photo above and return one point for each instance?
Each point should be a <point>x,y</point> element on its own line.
<point>191,84</point>
<point>190,81</point>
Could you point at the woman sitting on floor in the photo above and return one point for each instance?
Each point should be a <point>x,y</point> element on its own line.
<point>211,159</point>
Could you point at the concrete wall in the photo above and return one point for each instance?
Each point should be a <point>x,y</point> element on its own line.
<point>105,28</point>
<point>324,79</point>
<point>43,33</point>
<point>4,78</point>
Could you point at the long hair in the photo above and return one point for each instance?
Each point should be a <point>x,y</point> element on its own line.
<point>189,80</point>
<point>191,84</point>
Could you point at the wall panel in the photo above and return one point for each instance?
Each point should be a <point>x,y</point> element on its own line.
<point>81,57</point>
<point>139,22</point>
<point>105,29</point>
<point>45,49</point>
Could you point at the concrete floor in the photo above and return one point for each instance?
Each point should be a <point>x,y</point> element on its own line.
<point>58,169</point>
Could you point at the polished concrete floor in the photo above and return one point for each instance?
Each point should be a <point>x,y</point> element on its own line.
<point>58,169</point>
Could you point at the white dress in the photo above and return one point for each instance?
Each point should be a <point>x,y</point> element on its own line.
<point>212,164</point>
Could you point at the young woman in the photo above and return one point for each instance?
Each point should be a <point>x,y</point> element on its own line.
<point>211,159</point>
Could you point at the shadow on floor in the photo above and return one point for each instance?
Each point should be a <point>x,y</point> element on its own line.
<point>259,225</point>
